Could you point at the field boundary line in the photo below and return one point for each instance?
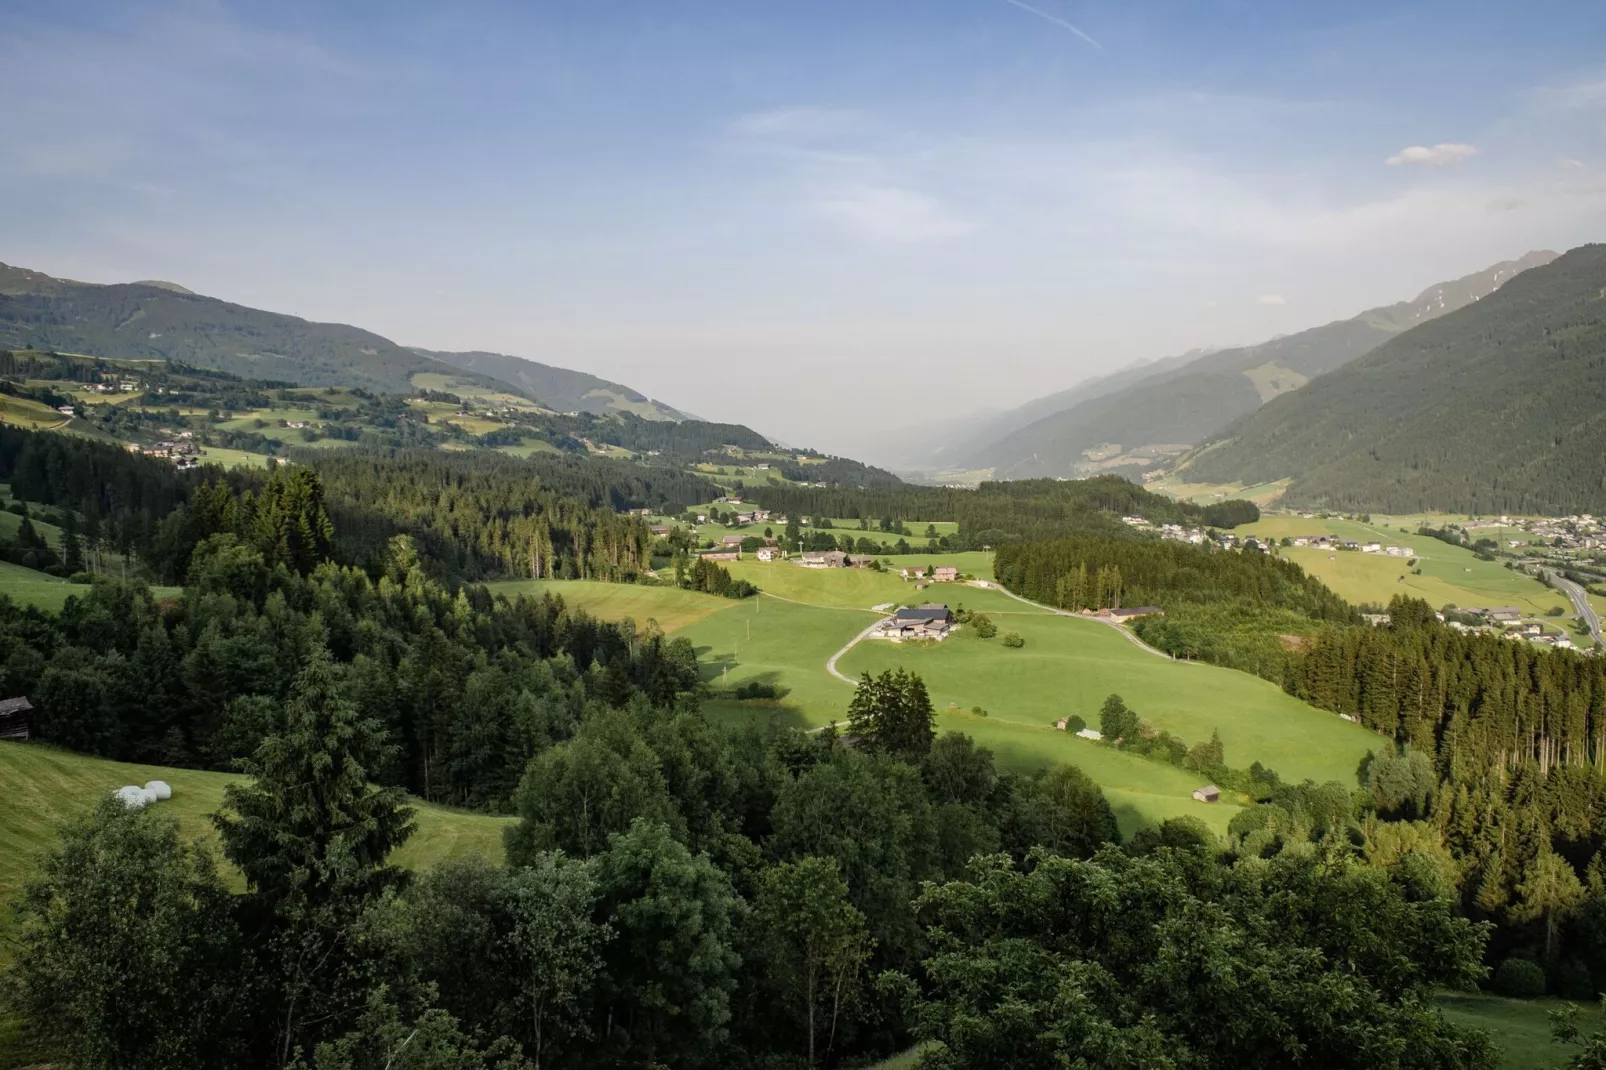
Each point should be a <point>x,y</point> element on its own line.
<point>1131,638</point>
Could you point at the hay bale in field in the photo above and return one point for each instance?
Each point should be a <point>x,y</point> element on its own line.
<point>132,796</point>
<point>159,789</point>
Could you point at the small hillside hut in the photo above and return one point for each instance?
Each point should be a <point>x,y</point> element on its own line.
<point>16,718</point>
<point>1207,794</point>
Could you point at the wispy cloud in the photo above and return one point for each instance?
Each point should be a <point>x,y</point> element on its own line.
<point>1272,299</point>
<point>1440,155</point>
<point>800,120</point>
<point>892,214</point>
<point>1056,20</point>
<point>1506,204</point>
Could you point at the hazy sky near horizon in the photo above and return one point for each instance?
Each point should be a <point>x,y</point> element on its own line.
<point>824,218</point>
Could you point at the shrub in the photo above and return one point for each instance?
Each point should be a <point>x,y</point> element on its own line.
<point>1570,980</point>
<point>1519,979</point>
<point>1075,723</point>
<point>756,689</point>
<point>82,577</point>
<point>1013,639</point>
<point>1554,611</point>
<point>985,628</point>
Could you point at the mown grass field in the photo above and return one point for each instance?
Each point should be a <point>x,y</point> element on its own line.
<point>1069,666</point>
<point>862,588</point>
<point>40,787</point>
<point>671,607</point>
<point>1520,1026</point>
<point>1205,493</point>
<point>1451,575</point>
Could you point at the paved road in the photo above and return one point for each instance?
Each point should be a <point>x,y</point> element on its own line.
<point>830,666</point>
<point>1580,599</point>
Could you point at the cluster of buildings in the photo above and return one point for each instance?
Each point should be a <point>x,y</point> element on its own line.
<point>182,451</point>
<point>934,573</point>
<point>1581,531</point>
<point>1332,542</point>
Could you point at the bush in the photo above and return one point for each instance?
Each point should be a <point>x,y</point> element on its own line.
<point>1012,639</point>
<point>82,577</point>
<point>985,628</point>
<point>1519,979</point>
<point>1570,980</point>
<point>755,689</point>
<point>1554,611</point>
<point>1075,723</point>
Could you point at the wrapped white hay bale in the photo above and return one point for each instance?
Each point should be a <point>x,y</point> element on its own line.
<point>131,796</point>
<point>159,789</point>
<point>148,795</point>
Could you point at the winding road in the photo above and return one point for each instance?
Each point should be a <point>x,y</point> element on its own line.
<point>1130,637</point>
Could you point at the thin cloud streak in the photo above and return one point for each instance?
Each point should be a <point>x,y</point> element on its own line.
<point>1056,20</point>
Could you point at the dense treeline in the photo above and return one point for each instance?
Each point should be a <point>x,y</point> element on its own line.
<point>466,688</point>
<point>486,515</point>
<point>681,896</point>
<point>998,513</point>
<point>1502,746</point>
<point>1230,608</point>
<point>473,515</point>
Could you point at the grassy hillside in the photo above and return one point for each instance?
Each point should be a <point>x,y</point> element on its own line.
<point>41,786</point>
<point>1188,404</point>
<point>1497,408</point>
<point>141,320</point>
<point>671,607</point>
<point>784,638</point>
<point>1451,575</point>
<point>558,388</point>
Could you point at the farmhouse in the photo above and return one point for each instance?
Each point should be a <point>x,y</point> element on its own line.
<point>913,572</point>
<point>1207,794</point>
<point>732,540</point>
<point>860,560</point>
<point>1132,612</point>
<point>929,621</point>
<point>659,529</point>
<point>824,559</point>
<point>945,574</point>
<point>769,553</point>
<point>16,718</point>
<point>723,553</point>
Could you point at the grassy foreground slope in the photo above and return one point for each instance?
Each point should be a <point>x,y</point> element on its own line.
<point>41,786</point>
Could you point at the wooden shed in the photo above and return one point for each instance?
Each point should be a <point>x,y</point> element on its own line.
<point>1207,794</point>
<point>16,718</point>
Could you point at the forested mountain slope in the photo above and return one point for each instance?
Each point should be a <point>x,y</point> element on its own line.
<point>1500,407</point>
<point>559,388</point>
<point>1187,404</point>
<point>161,320</point>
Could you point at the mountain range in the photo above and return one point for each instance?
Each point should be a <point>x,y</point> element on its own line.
<point>1499,407</point>
<point>1139,417</point>
<point>162,320</point>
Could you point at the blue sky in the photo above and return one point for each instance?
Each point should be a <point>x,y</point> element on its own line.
<point>821,218</point>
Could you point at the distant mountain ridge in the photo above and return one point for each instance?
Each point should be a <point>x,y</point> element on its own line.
<point>1497,407</point>
<point>559,388</point>
<point>1181,401</point>
<point>165,321</point>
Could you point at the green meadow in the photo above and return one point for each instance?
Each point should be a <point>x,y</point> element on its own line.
<point>671,607</point>
<point>1520,1026</point>
<point>1451,575</point>
<point>40,787</point>
<point>1069,665</point>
